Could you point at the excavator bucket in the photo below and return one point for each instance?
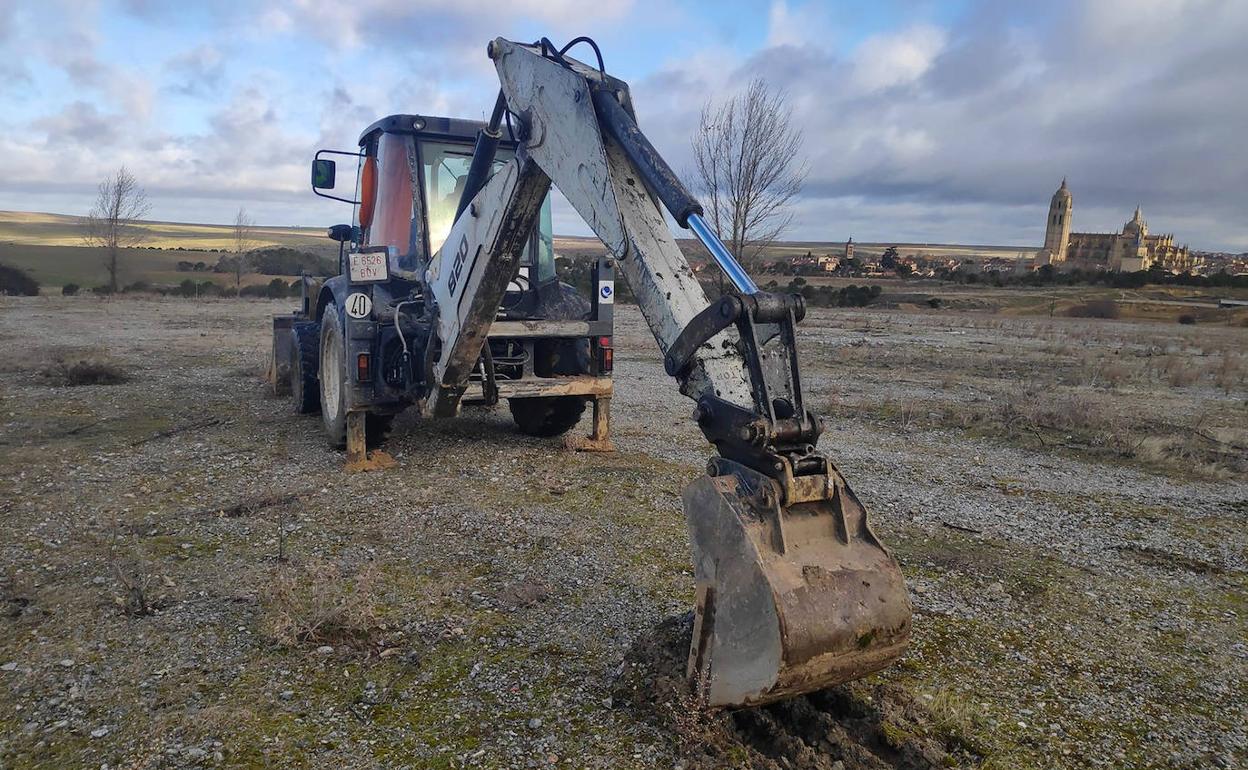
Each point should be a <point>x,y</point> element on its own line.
<point>792,595</point>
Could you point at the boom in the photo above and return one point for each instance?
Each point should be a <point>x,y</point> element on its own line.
<point>795,592</point>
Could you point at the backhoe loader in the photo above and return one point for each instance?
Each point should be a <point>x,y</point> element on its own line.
<point>794,590</point>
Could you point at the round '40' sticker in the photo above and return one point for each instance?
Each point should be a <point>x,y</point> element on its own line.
<point>359,305</point>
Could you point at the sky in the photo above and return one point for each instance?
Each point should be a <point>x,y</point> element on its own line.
<point>944,121</point>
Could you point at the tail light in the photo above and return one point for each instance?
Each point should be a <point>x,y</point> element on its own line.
<point>606,355</point>
<point>363,367</point>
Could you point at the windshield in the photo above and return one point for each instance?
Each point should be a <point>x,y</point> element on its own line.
<point>446,172</point>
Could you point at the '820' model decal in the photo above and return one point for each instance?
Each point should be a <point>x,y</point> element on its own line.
<point>461,255</point>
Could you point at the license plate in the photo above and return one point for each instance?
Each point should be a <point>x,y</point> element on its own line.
<point>368,268</point>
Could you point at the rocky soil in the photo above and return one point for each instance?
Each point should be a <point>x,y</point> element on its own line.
<point>190,579</point>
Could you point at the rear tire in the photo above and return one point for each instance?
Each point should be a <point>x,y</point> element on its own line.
<point>553,415</point>
<point>333,390</point>
<point>547,415</point>
<point>305,386</point>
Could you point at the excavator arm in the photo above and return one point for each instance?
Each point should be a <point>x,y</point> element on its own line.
<point>794,590</point>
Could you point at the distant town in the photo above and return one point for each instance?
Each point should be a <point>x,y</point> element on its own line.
<point>1132,250</point>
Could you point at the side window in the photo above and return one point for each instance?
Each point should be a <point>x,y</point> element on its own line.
<point>392,218</point>
<point>545,244</point>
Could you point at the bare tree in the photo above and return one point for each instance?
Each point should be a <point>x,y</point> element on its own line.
<point>244,232</point>
<point>113,223</point>
<point>748,169</point>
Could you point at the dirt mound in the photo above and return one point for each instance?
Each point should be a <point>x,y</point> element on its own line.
<point>857,726</point>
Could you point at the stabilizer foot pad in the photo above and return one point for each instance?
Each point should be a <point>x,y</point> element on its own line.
<point>375,460</point>
<point>587,444</point>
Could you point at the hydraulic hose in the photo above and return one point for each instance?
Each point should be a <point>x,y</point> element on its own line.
<point>483,155</point>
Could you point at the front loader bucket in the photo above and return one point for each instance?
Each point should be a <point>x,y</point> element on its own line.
<point>791,598</point>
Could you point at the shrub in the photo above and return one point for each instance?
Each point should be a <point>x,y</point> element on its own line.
<point>138,286</point>
<point>16,282</point>
<point>69,289</point>
<point>278,260</point>
<point>103,289</point>
<point>85,370</point>
<point>1097,308</point>
<point>317,604</point>
<point>936,302</point>
<point>274,289</point>
<point>1187,319</point>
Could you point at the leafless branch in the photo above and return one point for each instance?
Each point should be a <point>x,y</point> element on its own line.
<point>244,232</point>
<point>746,157</point>
<point>113,223</point>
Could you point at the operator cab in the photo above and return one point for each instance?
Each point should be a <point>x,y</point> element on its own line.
<point>411,171</point>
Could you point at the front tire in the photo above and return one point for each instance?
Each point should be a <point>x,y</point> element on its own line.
<point>333,386</point>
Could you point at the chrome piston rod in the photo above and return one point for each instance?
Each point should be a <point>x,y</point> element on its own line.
<point>740,279</point>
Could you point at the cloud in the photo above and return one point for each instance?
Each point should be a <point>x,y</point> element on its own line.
<point>443,23</point>
<point>79,122</point>
<point>887,61</point>
<point>796,26</point>
<point>198,72</point>
<point>8,19</point>
<point>922,127</point>
<point>933,128</point>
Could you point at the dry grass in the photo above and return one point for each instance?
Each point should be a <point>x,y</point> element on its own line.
<point>1165,396</point>
<point>1097,308</point>
<point>959,724</point>
<point>1086,420</point>
<point>85,370</point>
<point>1231,372</point>
<point>319,604</point>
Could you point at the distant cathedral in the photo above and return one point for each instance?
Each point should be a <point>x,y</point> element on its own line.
<point>1131,250</point>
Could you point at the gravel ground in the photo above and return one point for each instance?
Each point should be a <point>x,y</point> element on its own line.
<point>494,601</point>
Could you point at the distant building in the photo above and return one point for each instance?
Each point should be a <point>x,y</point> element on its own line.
<point>1131,250</point>
<point>849,249</point>
<point>809,262</point>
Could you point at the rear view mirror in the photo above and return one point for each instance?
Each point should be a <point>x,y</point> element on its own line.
<point>323,174</point>
<point>341,233</point>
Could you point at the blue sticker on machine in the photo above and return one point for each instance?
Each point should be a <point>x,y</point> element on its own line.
<point>606,292</point>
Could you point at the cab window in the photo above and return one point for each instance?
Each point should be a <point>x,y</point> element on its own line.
<point>446,173</point>
<point>445,167</point>
<point>392,218</point>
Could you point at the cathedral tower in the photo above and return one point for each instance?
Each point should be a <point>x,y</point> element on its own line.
<point>1057,229</point>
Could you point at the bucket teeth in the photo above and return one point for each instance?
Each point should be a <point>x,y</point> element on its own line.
<point>790,599</point>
